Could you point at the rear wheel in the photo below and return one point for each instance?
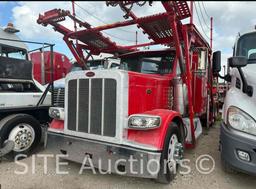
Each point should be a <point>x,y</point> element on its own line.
<point>24,130</point>
<point>171,154</point>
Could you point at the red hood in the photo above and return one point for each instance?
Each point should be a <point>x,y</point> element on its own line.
<point>148,92</point>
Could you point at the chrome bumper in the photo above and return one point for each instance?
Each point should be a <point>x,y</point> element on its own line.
<point>115,158</point>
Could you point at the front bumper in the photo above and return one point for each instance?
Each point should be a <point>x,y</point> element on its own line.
<point>231,141</point>
<point>114,158</point>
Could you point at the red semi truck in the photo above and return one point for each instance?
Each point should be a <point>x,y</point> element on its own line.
<point>149,108</point>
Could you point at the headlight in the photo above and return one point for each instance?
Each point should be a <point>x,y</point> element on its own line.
<point>241,121</point>
<point>56,113</point>
<point>143,121</point>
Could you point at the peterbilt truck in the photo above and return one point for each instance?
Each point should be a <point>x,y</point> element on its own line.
<point>238,128</point>
<point>149,109</point>
<point>24,103</point>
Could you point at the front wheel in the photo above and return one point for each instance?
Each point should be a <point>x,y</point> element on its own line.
<point>24,130</point>
<point>171,154</point>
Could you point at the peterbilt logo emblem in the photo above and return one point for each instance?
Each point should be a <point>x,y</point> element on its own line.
<point>90,74</point>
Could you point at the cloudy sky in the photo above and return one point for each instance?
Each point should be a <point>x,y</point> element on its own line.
<point>229,19</point>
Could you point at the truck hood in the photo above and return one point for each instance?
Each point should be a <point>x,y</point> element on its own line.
<point>235,97</point>
<point>250,74</point>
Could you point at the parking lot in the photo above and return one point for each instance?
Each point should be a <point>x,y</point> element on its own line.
<point>207,144</point>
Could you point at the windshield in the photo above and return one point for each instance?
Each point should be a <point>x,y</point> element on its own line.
<point>149,64</point>
<point>13,52</point>
<point>246,46</point>
<point>95,64</point>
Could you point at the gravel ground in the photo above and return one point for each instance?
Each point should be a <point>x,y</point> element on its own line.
<point>207,144</point>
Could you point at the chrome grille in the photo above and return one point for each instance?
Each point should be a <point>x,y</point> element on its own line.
<point>92,106</point>
<point>59,97</point>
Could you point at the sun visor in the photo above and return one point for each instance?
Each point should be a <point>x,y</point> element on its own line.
<point>11,68</point>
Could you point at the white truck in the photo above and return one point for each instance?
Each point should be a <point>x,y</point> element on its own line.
<point>238,129</point>
<point>24,102</point>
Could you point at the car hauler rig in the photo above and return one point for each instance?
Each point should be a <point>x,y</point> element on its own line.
<point>149,108</point>
<point>24,102</point>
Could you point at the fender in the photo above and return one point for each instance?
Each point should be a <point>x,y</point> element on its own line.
<point>155,137</point>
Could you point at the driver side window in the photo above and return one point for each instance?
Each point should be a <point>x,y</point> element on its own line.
<point>149,67</point>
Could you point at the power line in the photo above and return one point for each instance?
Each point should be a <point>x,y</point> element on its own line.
<point>90,13</point>
<point>209,17</point>
<point>99,19</point>
<point>205,10</point>
<point>127,40</point>
<point>203,16</point>
<point>201,23</point>
<point>119,38</point>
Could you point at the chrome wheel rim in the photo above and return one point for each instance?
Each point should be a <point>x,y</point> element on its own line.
<point>23,136</point>
<point>172,163</point>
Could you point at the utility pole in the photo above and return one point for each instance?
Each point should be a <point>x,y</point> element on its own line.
<point>191,10</point>
<point>211,32</point>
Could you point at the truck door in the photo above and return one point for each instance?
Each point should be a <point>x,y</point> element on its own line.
<point>200,73</point>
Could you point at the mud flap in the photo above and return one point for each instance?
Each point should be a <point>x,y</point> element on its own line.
<point>45,137</point>
<point>6,148</point>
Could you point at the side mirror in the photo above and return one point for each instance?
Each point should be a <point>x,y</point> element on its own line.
<point>216,62</point>
<point>237,61</point>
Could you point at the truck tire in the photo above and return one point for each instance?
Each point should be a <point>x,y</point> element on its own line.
<point>24,130</point>
<point>173,137</point>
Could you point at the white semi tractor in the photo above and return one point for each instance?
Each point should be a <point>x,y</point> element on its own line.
<point>24,102</point>
<point>238,129</point>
